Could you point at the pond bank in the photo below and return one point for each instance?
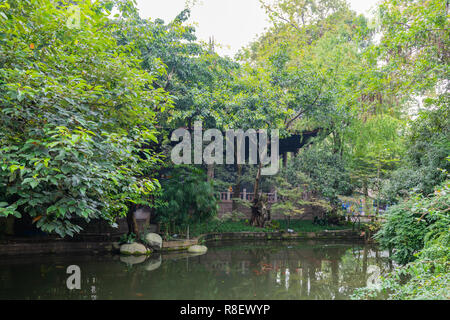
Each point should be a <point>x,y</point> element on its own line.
<point>58,246</point>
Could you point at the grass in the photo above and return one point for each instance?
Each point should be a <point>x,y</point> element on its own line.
<point>241,226</point>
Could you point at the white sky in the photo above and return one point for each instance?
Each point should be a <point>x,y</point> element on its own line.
<point>232,23</point>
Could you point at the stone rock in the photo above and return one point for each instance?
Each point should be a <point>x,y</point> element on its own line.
<point>154,240</point>
<point>197,249</point>
<point>130,260</point>
<point>153,264</point>
<point>134,249</point>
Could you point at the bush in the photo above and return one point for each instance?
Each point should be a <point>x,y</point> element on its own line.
<point>74,115</point>
<point>426,229</point>
<point>411,222</point>
<point>186,198</point>
<point>327,173</point>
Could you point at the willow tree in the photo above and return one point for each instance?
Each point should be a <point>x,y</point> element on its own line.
<point>375,146</point>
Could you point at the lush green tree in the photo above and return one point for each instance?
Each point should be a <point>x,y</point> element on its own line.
<point>326,173</point>
<point>315,53</point>
<point>76,110</point>
<point>194,75</point>
<point>414,45</point>
<point>374,147</point>
<point>321,42</point>
<point>424,165</point>
<point>201,82</point>
<point>412,69</point>
<point>187,198</point>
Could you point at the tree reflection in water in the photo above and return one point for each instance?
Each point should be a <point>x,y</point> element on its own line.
<point>256,270</point>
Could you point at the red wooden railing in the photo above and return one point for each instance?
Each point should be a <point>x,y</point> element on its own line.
<point>227,196</point>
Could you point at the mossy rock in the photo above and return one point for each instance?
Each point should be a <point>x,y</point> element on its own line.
<point>154,240</point>
<point>197,249</point>
<point>135,249</point>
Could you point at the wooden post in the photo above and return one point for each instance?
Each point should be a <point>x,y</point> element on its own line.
<point>244,194</point>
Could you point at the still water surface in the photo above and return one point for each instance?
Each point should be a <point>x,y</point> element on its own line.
<point>239,270</point>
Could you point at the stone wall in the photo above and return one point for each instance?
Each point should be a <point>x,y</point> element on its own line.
<point>58,246</point>
<point>319,235</point>
<point>55,247</point>
<point>95,228</point>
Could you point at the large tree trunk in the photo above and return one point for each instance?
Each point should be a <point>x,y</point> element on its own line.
<point>336,142</point>
<point>257,219</point>
<point>131,221</point>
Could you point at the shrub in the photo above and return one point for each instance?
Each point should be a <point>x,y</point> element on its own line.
<point>186,198</point>
<point>418,229</point>
<point>412,221</point>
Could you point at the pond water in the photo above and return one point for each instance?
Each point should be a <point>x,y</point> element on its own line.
<point>239,270</point>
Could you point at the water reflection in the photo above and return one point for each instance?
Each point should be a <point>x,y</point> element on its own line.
<point>266,270</point>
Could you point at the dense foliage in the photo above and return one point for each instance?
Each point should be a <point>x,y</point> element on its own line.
<point>88,100</point>
<point>425,162</point>
<point>413,222</point>
<point>417,229</point>
<point>187,198</point>
<point>326,173</point>
<point>75,112</point>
